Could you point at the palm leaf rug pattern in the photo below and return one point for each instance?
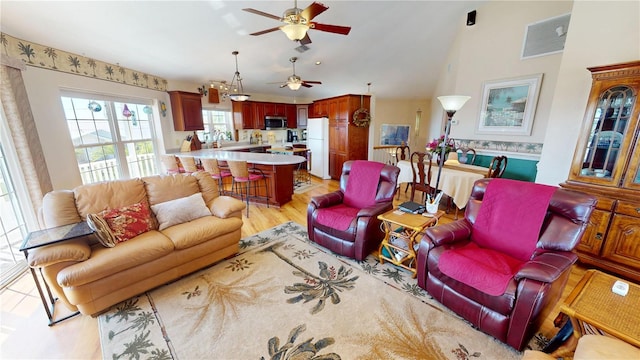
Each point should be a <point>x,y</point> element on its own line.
<point>283,297</point>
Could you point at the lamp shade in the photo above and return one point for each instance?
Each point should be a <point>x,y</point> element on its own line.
<point>294,85</point>
<point>295,31</point>
<point>239,97</point>
<point>453,102</point>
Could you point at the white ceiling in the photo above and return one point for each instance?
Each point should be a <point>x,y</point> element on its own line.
<point>397,46</point>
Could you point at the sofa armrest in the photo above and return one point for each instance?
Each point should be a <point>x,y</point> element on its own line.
<point>449,233</point>
<point>547,267</point>
<point>72,250</point>
<point>224,206</point>
<point>327,200</point>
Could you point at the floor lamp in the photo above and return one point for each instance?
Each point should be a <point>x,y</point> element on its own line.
<point>451,104</point>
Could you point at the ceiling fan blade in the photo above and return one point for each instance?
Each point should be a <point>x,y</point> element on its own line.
<point>311,82</point>
<point>262,13</point>
<point>343,30</point>
<point>306,85</point>
<point>265,31</point>
<point>306,40</point>
<point>283,85</point>
<point>313,10</point>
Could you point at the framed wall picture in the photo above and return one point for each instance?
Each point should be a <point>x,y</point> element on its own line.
<point>394,134</point>
<point>509,106</point>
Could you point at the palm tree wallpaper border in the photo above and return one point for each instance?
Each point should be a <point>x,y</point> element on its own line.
<point>49,58</point>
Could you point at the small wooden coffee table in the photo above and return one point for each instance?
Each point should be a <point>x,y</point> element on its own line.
<point>594,309</point>
<point>402,232</point>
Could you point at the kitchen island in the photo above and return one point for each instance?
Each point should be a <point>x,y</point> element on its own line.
<point>276,167</point>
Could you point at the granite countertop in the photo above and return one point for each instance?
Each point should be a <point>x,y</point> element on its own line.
<point>254,158</point>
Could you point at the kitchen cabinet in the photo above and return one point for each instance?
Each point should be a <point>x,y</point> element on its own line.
<point>186,108</point>
<point>606,164</point>
<point>243,114</point>
<point>291,113</point>
<point>259,112</point>
<point>250,114</point>
<point>346,140</point>
<point>320,108</point>
<point>302,115</point>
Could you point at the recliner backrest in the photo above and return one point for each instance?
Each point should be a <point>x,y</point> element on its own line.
<point>565,222</point>
<point>386,186</point>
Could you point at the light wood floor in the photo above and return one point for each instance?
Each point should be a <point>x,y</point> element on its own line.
<point>25,335</point>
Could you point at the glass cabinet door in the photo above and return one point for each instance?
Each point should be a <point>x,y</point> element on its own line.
<point>607,133</point>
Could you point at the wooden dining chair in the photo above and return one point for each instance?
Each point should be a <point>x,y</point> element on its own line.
<point>467,156</point>
<point>402,153</point>
<point>170,163</point>
<point>421,176</point>
<point>497,167</point>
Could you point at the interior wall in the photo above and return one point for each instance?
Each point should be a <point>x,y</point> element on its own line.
<point>400,112</point>
<point>600,33</point>
<point>491,50</point>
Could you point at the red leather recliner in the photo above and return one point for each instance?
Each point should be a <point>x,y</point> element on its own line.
<point>515,312</point>
<point>360,232</point>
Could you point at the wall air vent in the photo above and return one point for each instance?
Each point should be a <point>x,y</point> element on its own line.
<point>545,37</point>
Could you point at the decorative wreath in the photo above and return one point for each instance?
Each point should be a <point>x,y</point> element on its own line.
<point>361,117</point>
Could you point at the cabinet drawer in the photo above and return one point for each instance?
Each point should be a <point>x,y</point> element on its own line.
<point>628,208</point>
<point>605,203</point>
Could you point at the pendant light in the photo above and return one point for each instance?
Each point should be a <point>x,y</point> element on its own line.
<point>237,91</point>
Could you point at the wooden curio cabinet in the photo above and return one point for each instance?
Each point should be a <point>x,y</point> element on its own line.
<point>606,164</point>
<point>186,108</point>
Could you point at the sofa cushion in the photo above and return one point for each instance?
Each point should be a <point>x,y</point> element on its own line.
<point>59,208</point>
<point>102,230</point>
<point>170,187</point>
<point>200,230</point>
<point>180,211</point>
<point>129,221</point>
<point>104,262</point>
<point>94,198</point>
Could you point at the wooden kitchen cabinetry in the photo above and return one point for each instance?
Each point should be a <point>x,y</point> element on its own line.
<point>186,108</point>
<point>302,115</point>
<point>606,164</point>
<point>250,114</point>
<point>291,113</point>
<point>346,140</point>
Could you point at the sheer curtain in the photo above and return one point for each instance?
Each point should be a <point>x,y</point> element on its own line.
<point>23,132</point>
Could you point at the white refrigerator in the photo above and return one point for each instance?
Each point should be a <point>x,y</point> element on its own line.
<point>318,143</point>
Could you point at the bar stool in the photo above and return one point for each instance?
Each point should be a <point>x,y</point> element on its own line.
<point>211,166</point>
<point>170,164</point>
<point>242,174</point>
<point>302,173</point>
<point>189,164</point>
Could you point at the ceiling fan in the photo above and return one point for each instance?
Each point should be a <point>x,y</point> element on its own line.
<point>294,82</point>
<point>298,21</point>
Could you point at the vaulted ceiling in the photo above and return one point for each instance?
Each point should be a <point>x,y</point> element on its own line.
<point>398,46</point>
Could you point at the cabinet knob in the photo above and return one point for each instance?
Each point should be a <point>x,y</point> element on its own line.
<point>598,236</point>
<point>638,210</point>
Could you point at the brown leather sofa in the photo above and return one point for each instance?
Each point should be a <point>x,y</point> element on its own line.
<point>363,234</point>
<point>536,286</point>
<point>89,277</point>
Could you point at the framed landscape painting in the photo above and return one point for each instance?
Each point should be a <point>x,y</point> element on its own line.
<point>509,106</point>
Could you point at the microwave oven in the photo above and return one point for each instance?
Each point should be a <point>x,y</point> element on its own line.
<point>275,122</point>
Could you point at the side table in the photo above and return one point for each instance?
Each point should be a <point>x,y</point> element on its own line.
<point>46,237</point>
<point>401,231</point>
<point>594,309</point>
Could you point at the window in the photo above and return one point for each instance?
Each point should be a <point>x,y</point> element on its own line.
<point>13,227</point>
<point>113,138</point>
<point>216,123</point>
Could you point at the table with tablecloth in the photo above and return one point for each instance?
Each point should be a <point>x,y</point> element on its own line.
<point>456,180</point>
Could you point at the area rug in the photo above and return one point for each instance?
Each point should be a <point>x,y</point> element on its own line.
<point>283,297</point>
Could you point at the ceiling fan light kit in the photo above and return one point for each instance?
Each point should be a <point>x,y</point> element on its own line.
<point>298,21</point>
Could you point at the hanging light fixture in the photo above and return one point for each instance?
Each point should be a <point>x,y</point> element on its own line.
<point>237,91</point>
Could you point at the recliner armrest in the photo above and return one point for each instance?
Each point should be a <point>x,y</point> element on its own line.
<point>327,200</point>
<point>449,233</point>
<point>374,210</point>
<point>547,267</point>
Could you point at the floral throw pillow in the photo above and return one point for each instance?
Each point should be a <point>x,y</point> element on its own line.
<point>129,221</point>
